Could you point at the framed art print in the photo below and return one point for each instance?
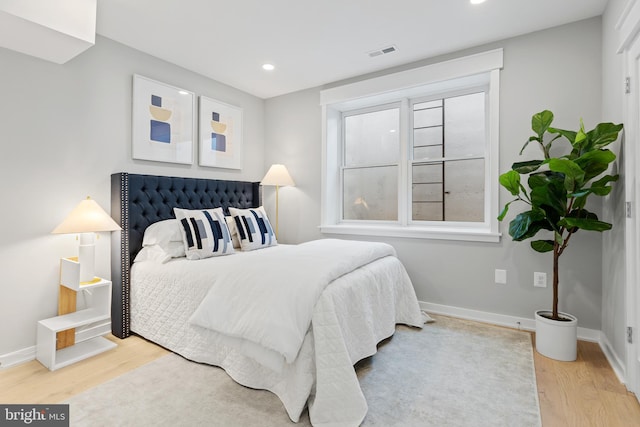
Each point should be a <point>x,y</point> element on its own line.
<point>163,122</point>
<point>220,134</point>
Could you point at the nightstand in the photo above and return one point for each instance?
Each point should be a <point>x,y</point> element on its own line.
<point>56,346</point>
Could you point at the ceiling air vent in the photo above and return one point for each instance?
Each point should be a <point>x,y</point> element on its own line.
<point>383,51</point>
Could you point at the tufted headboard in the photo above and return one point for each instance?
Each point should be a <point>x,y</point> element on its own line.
<point>140,200</point>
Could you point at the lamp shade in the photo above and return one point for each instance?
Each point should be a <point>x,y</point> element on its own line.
<point>277,175</point>
<point>87,217</point>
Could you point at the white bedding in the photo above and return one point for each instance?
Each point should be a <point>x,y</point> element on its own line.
<point>267,297</point>
<point>352,315</point>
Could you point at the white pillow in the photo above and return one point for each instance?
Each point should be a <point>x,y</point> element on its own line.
<point>154,253</point>
<point>204,232</point>
<point>234,231</point>
<point>253,227</point>
<point>161,232</point>
<point>165,234</point>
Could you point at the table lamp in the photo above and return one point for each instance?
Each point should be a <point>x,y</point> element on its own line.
<point>277,175</point>
<point>86,219</point>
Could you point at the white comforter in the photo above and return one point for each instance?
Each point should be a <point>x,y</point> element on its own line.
<point>269,299</point>
<point>353,314</point>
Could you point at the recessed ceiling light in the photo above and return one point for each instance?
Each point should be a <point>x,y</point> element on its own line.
<point>477,1</point>
<point>268,67</point>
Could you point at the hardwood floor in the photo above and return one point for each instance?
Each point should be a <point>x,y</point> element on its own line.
<point>581,393</point>
<point>33,383</point>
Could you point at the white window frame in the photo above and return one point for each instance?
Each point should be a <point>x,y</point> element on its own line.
<point>458,74</point>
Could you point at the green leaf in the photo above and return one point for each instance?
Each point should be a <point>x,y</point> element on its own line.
<point>527,167</point>
<point>526,224</point>
<point>605,180</point>
<point>541,121</point>
<point>558,238</point>
<point>586,224</point>
<point>511,181</point>
<point>573,174</point>
<point>569,134</point>
<point>505,210</point>
<point>600,191</point>
<point>580,202</point>
<point>581,137</point>
<point>542,245</point>
<point>550,191</point>
<point>604,134</point>
<point>537,180</point>
<point>595,162</point>
<point>580,193</point>
<point>600,187</point>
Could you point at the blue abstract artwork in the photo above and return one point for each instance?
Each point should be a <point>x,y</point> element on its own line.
<point>160,129</point>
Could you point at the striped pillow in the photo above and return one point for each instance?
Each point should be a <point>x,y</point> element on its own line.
<point>204,232</point>
<point>254,229</point>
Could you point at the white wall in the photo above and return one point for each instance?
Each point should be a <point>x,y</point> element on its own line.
<point>64,129</point>
<point>557,69</point>
<point>613,261</point>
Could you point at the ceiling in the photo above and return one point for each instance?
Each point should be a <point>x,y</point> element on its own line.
<point>312,43</point>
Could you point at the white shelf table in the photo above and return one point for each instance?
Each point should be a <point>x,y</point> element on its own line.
<point>98,292</point>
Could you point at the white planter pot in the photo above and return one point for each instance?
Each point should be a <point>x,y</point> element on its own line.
<point>557,339</point>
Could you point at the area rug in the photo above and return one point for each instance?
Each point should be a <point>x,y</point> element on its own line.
<point>451,373</point>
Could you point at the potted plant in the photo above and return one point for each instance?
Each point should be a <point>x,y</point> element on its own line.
<point>559,186</point>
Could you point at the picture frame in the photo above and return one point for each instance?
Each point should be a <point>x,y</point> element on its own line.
<point>163,122</point>
<point>220,134</point>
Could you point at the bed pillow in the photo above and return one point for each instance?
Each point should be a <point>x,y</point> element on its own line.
<point>154,253</point>
<point>162,232</point>
<point>204,232</point>
<point>165,234</point>
<point>254,229</point>
<point>233,230</point>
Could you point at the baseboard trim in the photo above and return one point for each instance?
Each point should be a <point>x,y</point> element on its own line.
<point>17,357</point>
<point>524,323</point>
<point>612,357</point>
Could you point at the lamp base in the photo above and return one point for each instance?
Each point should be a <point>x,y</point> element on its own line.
<point>87,257</point>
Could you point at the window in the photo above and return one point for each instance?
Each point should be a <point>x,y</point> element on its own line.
<point>414,154</point>
<point>448,159</point>
<point>370,172</point>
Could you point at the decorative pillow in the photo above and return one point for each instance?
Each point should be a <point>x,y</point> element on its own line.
<point>234,231</point>
<point>254,229</point>
<point>204,232</point>
<point>165,234</point>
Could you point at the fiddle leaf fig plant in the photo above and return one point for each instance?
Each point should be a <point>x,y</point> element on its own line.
<point>558,187</point>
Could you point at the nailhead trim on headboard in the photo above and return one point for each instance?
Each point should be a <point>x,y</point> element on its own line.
<point>140,200</point>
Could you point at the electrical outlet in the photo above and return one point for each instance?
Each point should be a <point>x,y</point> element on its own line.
<point>540,279</point>
<point>501,277</point>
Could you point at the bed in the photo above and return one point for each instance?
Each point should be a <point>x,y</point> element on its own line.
<point>350,314</point>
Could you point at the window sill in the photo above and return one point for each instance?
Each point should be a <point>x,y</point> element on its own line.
<point>464,234</point>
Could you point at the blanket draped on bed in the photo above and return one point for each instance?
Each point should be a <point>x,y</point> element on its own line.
<point>270,302</point>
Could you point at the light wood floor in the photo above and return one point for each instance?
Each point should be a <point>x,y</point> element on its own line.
<point>575,394</point>
<point>583,393</point>
<point>33,383</point>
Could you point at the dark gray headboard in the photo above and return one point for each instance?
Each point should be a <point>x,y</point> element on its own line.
<point>140,200</point>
